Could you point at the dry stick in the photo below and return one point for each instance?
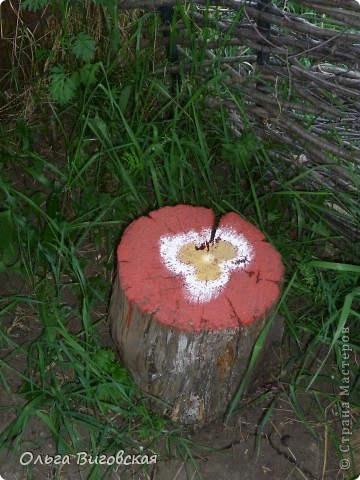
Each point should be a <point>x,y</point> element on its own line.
<point>346,82</point>
<point>339,14</point>
<point>346,5</point>
<point>317,102</point>
<point>331,86</point>
<point>313,144</point>
<point>233,4</point>
<point>314,49</point>
<point>281,104</point>
<point>324,70</point>
<point>323,178</point>
<point>298,69</point>
<point>350,4</point>
<point>154,4</point>
<point>308,47</point>
<point>339,72</point>
<point>145,4</point>
<point>303,27</point>
<point>319,143</point>
<point>302,72</point>
<point>275,101</point>
<point>322,45</point>
<point>319,129</point>
<point>318,178</point>
<point>333,83</point>
<point>205,63</point>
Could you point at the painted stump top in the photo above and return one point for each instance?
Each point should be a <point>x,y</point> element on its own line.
<point>171,267</point>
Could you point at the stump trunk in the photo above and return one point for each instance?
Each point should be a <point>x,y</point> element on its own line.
<point>188,305</point>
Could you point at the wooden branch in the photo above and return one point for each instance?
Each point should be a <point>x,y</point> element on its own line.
<point>283,105</point>
<point>306,137</point>
<point>344,4</point>
<point>318,102</point>
<point>318,175</point>
<point>322,145</point>
<point>339,14</point>
<point>278,44</point>
<point>236,5</point>
<point>303,27</point>
<point>144,4</point>
<point>319,79</point>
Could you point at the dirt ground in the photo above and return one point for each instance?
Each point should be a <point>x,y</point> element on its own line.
<point>287,451</point>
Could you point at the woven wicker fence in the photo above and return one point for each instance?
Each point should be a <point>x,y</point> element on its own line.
<point>297,75</point>
<point>299,79</point>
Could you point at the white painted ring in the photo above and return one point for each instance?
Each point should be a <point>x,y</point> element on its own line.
<point>200,291</point>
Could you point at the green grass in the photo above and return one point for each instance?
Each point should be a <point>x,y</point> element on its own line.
<point>125,145</point>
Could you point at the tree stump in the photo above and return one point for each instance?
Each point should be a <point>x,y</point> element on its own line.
<point>188,305</point>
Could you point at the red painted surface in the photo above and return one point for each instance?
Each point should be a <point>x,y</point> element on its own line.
<point>147,282</point>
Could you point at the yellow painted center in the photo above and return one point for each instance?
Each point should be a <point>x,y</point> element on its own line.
<point>207,260</point>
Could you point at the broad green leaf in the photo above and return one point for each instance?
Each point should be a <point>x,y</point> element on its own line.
<point>33,5</point>
<point>84,47</point>
<point>87,73</point>
<point>62,86</point>
<point>104,358</point>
